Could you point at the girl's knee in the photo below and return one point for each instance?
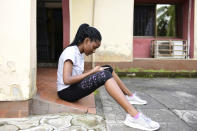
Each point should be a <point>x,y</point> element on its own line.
<point>107,75</point>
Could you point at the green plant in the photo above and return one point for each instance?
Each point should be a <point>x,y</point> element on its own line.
<point>117,69</point>
<point>193,71</point>
<point>184,71</point>
<point>161,70</point>
<point>133,70</point>
<point>96,92</point>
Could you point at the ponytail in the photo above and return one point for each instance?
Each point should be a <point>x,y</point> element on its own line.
<point>85,31</point>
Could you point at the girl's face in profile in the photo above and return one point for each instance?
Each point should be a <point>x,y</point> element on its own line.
<point>91,46</point>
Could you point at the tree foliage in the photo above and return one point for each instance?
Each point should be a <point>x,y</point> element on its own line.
<point>166,18</point>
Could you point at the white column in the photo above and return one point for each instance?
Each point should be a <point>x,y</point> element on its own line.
<point>81,11</point>
<point>114,19</point>
<point>18,49</point>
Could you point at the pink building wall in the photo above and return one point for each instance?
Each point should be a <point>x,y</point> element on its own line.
<point>192,31</point>
<point>142,45</point>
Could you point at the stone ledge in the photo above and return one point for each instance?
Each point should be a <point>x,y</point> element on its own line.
<point>41,106</point>
<point>47,93</point>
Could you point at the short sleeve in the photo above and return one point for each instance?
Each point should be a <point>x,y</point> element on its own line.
<point>69,54</point>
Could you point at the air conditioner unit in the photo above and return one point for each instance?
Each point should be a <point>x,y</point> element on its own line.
<point>169,49</point>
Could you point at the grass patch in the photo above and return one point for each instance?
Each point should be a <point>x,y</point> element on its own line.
<point>193,71</point>
<point>116,69</point>
<point>133,70</point>
<point>96,92</point>
<point>161,70</point>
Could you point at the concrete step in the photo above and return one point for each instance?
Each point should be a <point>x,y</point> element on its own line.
<point>47,96</point>
<point>46,100</point>
<point>40,106</point>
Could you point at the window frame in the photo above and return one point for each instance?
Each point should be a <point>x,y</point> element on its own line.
<point>155,23</point>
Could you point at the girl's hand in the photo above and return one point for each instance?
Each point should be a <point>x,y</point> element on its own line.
<point>96,69</point>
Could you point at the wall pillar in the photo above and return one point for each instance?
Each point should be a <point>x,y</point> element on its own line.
<point>81,11</point>
<point>18,49</point>
<point>116,26</point>
<point>114,23</point>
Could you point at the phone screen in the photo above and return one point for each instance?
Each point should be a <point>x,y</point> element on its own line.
<point>105,67</point>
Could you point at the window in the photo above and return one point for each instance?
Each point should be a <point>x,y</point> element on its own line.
<point>166,19</point>
<point>155,20</point>
<point>144,20</point>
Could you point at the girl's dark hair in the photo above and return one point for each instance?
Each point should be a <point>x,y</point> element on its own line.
<point>86,31</point>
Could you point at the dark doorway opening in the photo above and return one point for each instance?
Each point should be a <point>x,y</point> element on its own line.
<point>49,33</point>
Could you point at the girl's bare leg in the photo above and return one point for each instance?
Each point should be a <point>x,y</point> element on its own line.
<point>114,91</point>
<point>122,86</point>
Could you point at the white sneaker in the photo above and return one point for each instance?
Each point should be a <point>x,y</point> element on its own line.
<point>135,100</point>
<point>142,122</point>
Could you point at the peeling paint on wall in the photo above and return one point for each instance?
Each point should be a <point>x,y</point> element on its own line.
<point>15,91</point>
<point>12,83</point>
<point>32,86</point>
<point>11,66</point>
<point>18,49</point>
<point>117,53</point>
<point>116,29</point>
<point>116,48</point>
<point>111,57</point>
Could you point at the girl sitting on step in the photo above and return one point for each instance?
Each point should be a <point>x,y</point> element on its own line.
<point>73,83</point>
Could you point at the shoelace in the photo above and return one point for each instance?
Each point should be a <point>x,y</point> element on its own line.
<point>136,97</point>
<point>148,120</point>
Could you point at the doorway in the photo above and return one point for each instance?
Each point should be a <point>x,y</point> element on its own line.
<point>49,33</point>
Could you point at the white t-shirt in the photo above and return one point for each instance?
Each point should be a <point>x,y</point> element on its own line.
<point>70,53</point>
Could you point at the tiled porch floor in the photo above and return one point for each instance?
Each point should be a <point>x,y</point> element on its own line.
<point>46,85</point>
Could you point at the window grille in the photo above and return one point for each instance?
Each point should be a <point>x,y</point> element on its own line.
<point>177,49</point>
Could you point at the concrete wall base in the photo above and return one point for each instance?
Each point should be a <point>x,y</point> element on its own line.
<point>151,64</point>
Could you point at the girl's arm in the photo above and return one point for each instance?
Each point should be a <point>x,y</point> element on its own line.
<point>67,73</point>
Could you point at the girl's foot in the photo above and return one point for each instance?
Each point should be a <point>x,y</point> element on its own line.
<point>134,99</point>
<point>142,122</point>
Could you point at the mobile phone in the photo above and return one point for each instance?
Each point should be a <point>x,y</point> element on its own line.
<point>105,67</point>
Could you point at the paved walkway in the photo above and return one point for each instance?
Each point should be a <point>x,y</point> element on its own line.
<point>56,122</point>
<point>171,102</point>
